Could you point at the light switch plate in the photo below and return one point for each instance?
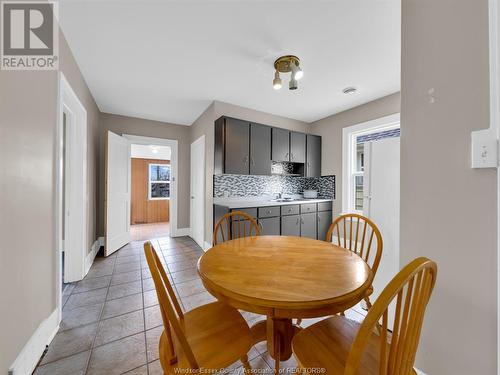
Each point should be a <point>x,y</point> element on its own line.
<point>484,149</point>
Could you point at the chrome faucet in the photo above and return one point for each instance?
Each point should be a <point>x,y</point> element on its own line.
<point>278,195</point>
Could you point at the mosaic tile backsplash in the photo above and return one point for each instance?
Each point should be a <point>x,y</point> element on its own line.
<point>235,185</point>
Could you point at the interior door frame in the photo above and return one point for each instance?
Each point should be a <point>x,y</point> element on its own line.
<point>174,160</point>
<point>76,195</point>
<point>494,52</point>
<point>201,163</point>
<point>349,135</point>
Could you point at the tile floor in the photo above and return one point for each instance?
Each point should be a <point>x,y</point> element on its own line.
<point>111,319</point>
<point>142,232</point>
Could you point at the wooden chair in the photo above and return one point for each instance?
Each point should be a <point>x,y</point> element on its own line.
<point>343,346</point>
<point>358,234</point>
<point>235,224</point>
<point>211,336</point>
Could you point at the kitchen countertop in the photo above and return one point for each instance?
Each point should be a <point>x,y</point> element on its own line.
<point>246,203</point>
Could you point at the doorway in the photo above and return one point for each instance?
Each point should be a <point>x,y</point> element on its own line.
<point>150,191</point>
<point>371,185</point>
<point>197,198</point>
<point>71,189</point>
<point>160,185</point>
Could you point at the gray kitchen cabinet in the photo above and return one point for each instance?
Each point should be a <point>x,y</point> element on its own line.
<point>308,227</point>
<point>260,149</point>
<point>270,226</point>
<point>280,149</point>
<point>297,147</point>
<point>290,225</point>
<point>237,155</point>
<point>313,157</point>
<point>324,221</point>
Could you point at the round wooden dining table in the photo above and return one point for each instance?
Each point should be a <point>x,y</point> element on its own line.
<point>284,277</point>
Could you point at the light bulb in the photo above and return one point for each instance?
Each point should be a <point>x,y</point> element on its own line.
<point>276,81</point>
<point>293,83</point>
<point>297,73</point>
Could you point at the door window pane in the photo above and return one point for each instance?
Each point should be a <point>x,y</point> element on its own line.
<point>358,193</point>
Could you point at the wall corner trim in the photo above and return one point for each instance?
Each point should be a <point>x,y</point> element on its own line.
<point>181,232</point>
<point>29,356</point>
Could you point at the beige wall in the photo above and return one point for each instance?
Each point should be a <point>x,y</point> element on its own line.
<point>135,126</point>
<point>448,210</point>
<point>330,129</point>
<point>204,125</point>
<point>28,119</point>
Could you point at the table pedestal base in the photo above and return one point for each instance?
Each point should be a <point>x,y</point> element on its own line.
<point>279,333</point>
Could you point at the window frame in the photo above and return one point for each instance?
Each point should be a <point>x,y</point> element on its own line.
<point>349,150</point>
<point>150,182</point>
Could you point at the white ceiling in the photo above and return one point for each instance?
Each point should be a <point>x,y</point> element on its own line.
<point>150,152</point>
<point>168,60</point>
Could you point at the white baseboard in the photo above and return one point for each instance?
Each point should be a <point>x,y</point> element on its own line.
<point>420,372</point>
<point>89,259</point>
<point>29,356</point>
<point>207,246</point>
<point>181,232</point>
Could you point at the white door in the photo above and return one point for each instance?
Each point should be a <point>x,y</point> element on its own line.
<point>381,204</point>
<point>198,190</point>
<point>117,201</point>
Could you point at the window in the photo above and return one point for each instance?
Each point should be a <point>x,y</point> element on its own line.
<point>159,181</point>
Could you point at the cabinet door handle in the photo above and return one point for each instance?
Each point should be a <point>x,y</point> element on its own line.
<point>252,161</point>
<point>286,155</point>
<point>245,160</point>
<point>297,221</point>
<point>269,212</point>
<point>291,156</point>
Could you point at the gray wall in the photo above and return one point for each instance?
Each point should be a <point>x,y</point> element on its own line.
<point>28,119</point>
<point>330,128</point>
<point>204,125</point>
<point>135,126</point>
<point>448,210</point>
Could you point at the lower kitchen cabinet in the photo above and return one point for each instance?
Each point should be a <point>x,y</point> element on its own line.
<point>241,229</point>
<point>308,225</point>
<point>290,225</point>
<point>324,221</point>
<point>270,226</point>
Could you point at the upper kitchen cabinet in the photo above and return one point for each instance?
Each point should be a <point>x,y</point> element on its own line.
<point>260,149</point>
<point>280,145</point>
<point>297,147</point>
<point>313,159</point>
<point>242,147</point>
<point>237,146</point>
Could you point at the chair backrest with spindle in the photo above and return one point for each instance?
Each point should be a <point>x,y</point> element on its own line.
<point>358,234</point>
<point>235,224</point>
<point>170,308</point>
<point>411,290</point>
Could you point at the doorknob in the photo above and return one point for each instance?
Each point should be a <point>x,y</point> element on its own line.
<point>192,196</point>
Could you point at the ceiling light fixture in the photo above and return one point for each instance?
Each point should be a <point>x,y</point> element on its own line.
<point>287,64</point>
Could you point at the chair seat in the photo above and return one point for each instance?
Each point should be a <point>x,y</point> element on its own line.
<point>327,343</point>
<point>217,334</point>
